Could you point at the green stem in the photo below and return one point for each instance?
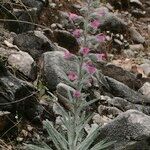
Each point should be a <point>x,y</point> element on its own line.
<point>77,103</point>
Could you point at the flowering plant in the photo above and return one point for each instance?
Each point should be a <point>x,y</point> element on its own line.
<point>72,136</point>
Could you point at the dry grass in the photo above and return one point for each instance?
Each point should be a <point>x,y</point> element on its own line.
<point>4,146</point>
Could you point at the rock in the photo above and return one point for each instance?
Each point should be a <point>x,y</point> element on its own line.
<point>7,125</point>
<point>63,91</point>
<point>3,119</point>
<point>136,36</point>
<point>100,120</point>
<point>117,102</point>
<point>66,40</point>
<point>18,90</point>
<point>21,15</point>
<point>35,43</point>
<point>109,111</point>
<point>120,90</point>
<point>130,130</point>
<point>126,4</point>
<point>119,74</point>
<point>136,4</point>
<point>138,13</point>
<point>146,69</point>
<point>5,52</point>
<point>55,68</point>
<point>137,47</point>
<point>24,63</point>
<point>124,105</point>
<point>145,89</point>
<point>112,23</point>
<point>17,97</point>
<point>129,53</point>
<point>120,4</point>
<point>39,4</point>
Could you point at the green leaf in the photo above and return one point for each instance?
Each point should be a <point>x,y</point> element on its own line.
<point>59,141</point>
<point>65,100</point>
<point>84,145</point>
<point>85,104</point>
<point>101,145</point>
<point>82,122</point>
<point>70,96</point>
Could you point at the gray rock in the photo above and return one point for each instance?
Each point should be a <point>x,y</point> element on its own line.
<point>129,53</point>
<point>145,89</point>
<point>100,120</point>
<point>13,90</point>
<point>136,36</point>
<point>120,4</point>
<point>109,111</point>
<point>63,89</point>
<point>120,90</point>
<point>24,63</point>
<point>35,43</point>
<point>119,74</point>
<point>63,92</point>
<point>112,23</point>
<point>146,68</point>
<point>22,15</point>
<point>130,130</point>
<point>137,3</point>
<point>118,102</point>
<point>126,4</point>
<point>125,105</point>
<point>17,97</point>
<point>66,40</point>
<point>4,115</point>
<point>55,68</point>
<point>137,47</point>
<point>38,4</point>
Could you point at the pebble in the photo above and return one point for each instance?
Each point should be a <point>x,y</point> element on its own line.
<point>145,89</point>
<point>146,69</point>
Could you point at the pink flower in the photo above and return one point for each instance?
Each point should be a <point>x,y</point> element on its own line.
<point>95,24</point>
<point>73,16</point>
<point>89,67</point>
<point>77,33</point>
<point>72,76</point>
<point>84,51</point>
<point>100,57</point>
<point>101,37</point>
<point>77,94</point>
<point>67,55</point>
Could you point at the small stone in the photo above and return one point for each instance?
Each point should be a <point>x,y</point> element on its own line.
<point>52,5</point>
<point>19,139</point>
<point>137,47</point>
<point>24,63</point>
<point>101,120</point>
<point>136,36</point>
<point>108,111</point>
<point>146,69</point>
<point>29,127</point>
<point>145,89</point>
<point>118,41</point>
<point>129,53</point>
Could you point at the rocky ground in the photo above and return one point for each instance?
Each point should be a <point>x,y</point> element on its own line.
<point>32,65</point>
